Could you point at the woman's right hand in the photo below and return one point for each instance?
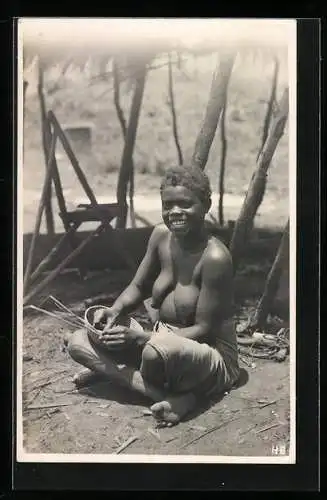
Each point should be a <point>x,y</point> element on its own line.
<point>104,318</point>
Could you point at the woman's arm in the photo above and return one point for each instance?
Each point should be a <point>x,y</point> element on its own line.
<point>140,286</point>
<point>215,299</point>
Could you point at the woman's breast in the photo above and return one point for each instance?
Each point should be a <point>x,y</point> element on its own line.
<point>161,288</point>
<point>179,306</point>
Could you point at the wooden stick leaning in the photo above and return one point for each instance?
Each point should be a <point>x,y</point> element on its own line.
<point>105,224</point>
<point>59,194</point>
<point>46,141</point>
<point>273,279</point>
<point>40,286</point>
<point>45,189</point>
<point>214,108</point>
<point>47,133</point>
<point>48,258</point>
<point>68,150</point>
<point>89,192</point>
<point>222,163</point>
<point>122,121</point>
<point>271,102</point>
<point>173,110</point>
<point>255,191</point>
<point>129,143</point>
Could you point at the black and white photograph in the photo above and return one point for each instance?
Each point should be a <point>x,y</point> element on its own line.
<point>156,240</point>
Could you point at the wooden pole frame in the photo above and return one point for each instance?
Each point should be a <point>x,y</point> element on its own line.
<point>46,184</point>
<point>270,106</point>
<point>257,320</point>
<point>55,272</point>
<point>47,260</point>
<point>56,178</point>
<point>71,155</point>
<point>52,173</point>
<point>46,138</point>
<point>173,110</point>
<point>122,121</point>
<point>124,173</point>
<point>273,280</point>
<point>222,163</point>
<point>88,190</point>
<point>253,197</point>
<point>214,108</point>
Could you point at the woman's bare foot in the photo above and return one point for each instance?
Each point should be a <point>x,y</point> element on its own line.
<point>86,377</point>
<point>173,409</point>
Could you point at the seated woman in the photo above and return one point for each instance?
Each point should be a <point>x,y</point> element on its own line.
<point>192,350</point>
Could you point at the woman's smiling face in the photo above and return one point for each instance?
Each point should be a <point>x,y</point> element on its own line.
<point>182,210</point>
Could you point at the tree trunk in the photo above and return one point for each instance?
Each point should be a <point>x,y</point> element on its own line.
<point>46,139</point>
<point>266,127</point>
<point>122,121</point>
<point>214,108</point>
<point>126,164</point>
<point>222,164</point>
<point>253,197</point>
<point>173,111</point>
<point>272,283</point>
<point>271,102</point>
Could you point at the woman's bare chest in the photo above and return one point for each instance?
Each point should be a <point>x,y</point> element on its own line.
<point>183,268</point>
<point>179,281</point>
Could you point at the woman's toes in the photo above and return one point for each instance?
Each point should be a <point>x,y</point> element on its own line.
<point>158,410</point>
<point>163,413</point>
<point>85,378</point>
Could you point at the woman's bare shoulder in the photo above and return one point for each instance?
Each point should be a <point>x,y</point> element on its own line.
<point>161,228</point>
<point>218,253</point>
<point>159,232</point>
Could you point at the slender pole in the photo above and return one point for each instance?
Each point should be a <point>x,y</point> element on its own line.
<point>271,102</point>
<point>173,110</point>
<point>254,195</point>
<point>59,194</point>
<point>215,106</point>
<point>124,173</point>
<point>51,276</point>
<point>80,174</point>
<point>46,145</point>
<point>47,182</point>
<point>273,279</point>
<point>222,164</point>
<point>122,121</point>
<point>119,111</point>
<point>131,197</point>
<point>71,155</point>
<point>47,260</point>
<point>56,180</point>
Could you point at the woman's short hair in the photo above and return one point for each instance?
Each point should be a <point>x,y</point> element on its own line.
<point>190,177</point>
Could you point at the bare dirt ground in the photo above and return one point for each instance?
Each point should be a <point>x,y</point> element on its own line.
<point>252,418</point>
<point>249,421</point>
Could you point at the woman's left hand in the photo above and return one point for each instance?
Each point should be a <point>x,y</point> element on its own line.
<point>121,336</point>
